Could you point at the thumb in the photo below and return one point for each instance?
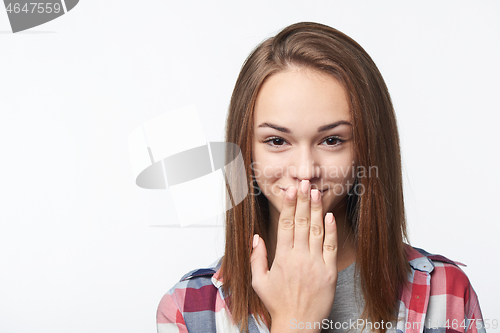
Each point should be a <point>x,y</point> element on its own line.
<point>258,260</point>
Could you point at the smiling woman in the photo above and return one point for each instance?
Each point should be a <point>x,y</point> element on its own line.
<point>303,131</point>
<point>319,244</point>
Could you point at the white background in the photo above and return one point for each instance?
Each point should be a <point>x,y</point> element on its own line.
<point>78,250</point>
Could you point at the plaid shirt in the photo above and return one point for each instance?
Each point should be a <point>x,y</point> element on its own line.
<point>448,304</point>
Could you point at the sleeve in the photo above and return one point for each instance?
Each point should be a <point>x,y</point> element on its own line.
<point>169,316</point>
<point>472,312</point>
<point>453,304</point>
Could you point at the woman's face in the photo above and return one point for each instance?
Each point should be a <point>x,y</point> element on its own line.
<point>302,130</point>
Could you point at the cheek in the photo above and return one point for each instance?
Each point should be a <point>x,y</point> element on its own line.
<point>340,175</point>
<point>266,166</point>
<point>349,173</point>
<point>267,175</point>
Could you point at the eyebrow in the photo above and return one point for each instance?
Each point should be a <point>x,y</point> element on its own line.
<point>320,129</point>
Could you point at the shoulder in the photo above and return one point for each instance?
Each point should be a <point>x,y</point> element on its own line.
<point>443,271</point>
<point>195,292</point>
<point>448,273</point>
<point>450,288</point>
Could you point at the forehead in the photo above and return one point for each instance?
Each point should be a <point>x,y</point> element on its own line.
<point>300,97</point>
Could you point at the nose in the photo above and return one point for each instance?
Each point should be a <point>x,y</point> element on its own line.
<point>304,166</point>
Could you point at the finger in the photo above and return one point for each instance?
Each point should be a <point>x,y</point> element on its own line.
<point>316,234</point>
<point>330,242</point>
<point>258,262</point>
<point>284,240</point>
<point>302,218</point>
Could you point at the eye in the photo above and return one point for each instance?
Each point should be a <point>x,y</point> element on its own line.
<point>275,141</point>
<point>333,141</point>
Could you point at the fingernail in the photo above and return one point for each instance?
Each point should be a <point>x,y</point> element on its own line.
<point>255,240</point>
<point>329,218</point>
<point>291,192</point>
<point>315,195</point>
<point>304,186</point>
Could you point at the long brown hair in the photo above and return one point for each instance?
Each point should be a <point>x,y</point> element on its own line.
<point>376,215</point>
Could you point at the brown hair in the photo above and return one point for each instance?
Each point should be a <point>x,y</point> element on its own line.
<point>376,216</point>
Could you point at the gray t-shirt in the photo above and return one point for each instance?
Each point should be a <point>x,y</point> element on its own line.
<point>347,305</point>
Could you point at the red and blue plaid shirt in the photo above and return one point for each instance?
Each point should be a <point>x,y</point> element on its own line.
<point>439,299</point>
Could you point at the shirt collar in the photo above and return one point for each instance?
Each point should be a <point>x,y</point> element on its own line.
<point>418,260</point>
<point>217,279</point>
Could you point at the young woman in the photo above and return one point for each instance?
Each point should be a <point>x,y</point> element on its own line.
<point>319,242</point>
